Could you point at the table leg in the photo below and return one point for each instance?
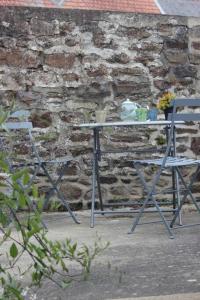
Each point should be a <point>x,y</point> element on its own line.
<point>95,174</point>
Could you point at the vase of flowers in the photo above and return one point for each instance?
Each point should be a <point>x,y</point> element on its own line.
<point>164,103</point>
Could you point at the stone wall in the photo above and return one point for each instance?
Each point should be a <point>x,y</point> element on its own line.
<point>64,64</point>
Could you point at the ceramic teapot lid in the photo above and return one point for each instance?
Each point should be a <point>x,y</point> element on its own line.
<point>127,101</point>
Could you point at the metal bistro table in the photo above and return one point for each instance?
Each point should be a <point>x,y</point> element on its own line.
<point>97,127</point>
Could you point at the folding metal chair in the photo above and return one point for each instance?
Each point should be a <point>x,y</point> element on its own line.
<point>173,162</point>
<point>35,162</point>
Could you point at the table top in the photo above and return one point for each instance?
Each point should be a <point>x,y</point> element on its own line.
<point>125,123</point>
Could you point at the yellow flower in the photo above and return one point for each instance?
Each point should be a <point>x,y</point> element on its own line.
<point>164,101</point>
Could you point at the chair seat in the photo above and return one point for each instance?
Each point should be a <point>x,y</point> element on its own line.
<point>57,160</point>
<point>170,162</point>
<point>35,162</point>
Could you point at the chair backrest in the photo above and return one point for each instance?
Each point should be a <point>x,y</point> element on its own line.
<point>181,112</point>
<point>22,139</point>
<point>179,115</point>
<point>20,118</point>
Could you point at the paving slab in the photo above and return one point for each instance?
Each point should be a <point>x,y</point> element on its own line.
<point>146,265</point>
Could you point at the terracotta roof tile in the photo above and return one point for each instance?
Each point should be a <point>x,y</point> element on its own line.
<point>143,6</point>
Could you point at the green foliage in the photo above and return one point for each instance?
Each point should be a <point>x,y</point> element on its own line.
<point>161,140</point>
<point>48,259</point>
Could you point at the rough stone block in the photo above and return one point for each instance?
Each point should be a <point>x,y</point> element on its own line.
<point>41,120</point>
<point>121,58</point>
<point>178,57</point>
<point>60,60</point>
<point>185,71</point>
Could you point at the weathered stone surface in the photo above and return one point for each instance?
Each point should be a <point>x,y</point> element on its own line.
<point>71,41</point>
<point>64,65</point>
<point>158,71</point>
<point>71,191</point>
<point>196,45</point>
<point>121,58</point>
<point>161,84</point>
<point>147,47</point>
<point>176,44</point>
<point>194,59</point>
<point>19,58</point>
<point>80,150</point>
<point>195,145</point>
<point>109,179</point>
<point>72,170</point>
<point>71,77</point>
<point>119,191</point>
<point>100,40</point>
<point>186,81</point>
<point>66,27</point>
<point>133,32</point>
<point>194,32</point>
<point>144,59</point>
<point>80,137</point>
<point>135,71</point>
<point>60,60</point>
<point>185,71</point>
<point>131,88</point>
<point>44,120</point>
<point>131,138</point>
<point>40,27</point>
<point>14,27</point>
<point>70,117</point>
<point>178,57</point>
<point>165,30</point>
<point>97,71</point>
<point>181,148</point>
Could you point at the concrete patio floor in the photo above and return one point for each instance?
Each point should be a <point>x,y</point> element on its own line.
<point>144,264</point>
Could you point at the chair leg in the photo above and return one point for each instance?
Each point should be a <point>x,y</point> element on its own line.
<point>187,193</point>
<point>139,215</point>
<point>189,187</point>
<point>150,198</point>
<point>51,191</point>
<point>60,195</point>
<point>163,219</point>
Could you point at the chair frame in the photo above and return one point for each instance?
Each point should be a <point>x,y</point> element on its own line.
<point>164,163</point>
<point>39,163</point>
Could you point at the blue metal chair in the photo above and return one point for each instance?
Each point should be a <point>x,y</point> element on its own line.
<point>19,121</point>
<point>173,162</point>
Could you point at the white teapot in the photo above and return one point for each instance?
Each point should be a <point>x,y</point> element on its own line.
<point>128,111</point>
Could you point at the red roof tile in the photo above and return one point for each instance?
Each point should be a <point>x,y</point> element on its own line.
<point>143,6</point>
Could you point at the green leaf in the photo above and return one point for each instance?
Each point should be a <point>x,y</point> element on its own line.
<point>13,250</point>
<point>35,191</point>
<point>17,175</point>
<point>3,218</point>
<point>26,178</point>
<point>15,292</point>
<point>22,200</point>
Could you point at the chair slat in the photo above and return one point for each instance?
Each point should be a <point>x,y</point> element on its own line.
<point>17,125</point>
<point>187,117</point>
<point>20,113</point>
<point>186,102</point>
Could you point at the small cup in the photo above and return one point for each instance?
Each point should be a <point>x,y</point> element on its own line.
<point>141,114</point>
<point>152,114</point>
<point>100,116</point>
